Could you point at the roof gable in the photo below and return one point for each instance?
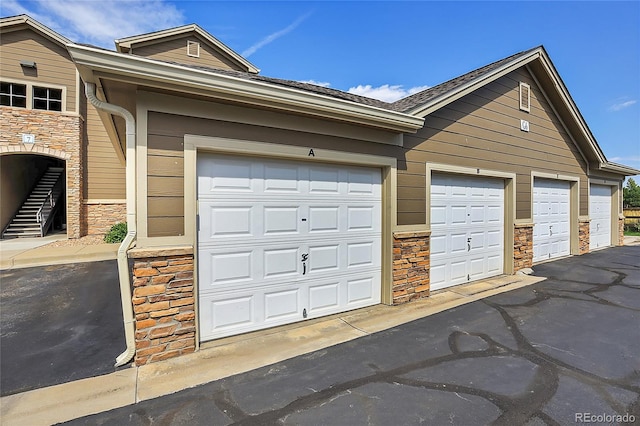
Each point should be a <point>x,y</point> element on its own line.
<point>125,45</point>
<point>14,23</point>
<point>538,63</point>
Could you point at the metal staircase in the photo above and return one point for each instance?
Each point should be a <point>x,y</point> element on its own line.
<point>36,214</point>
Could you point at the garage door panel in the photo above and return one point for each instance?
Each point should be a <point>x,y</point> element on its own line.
<point>283,304</point>
<point>458,243</point>
<point>361,254</point>
<point>361,183</point>
<point>256,223</point>
<point>230,175</point>
<point>227,313</point>
<point>551,217</point>
<point>323,296</point>
<point>281,220</point>
<point>280,262</point>
<point>457,214</point>
<point>323,180</point>
<point>324,258</point>
<point>600,214</point>
<point>228,268</point>
<point>281,178</point>
<point>324,219</point>
<point>362,290</point>
<point>470,233</point>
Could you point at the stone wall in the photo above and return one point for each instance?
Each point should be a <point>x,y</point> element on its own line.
<point>583,236</point>
<point>99,217</point>
<point>621,231</point>
<point>410,266</point>
<point>57,135</point>
<point>163,303</point>
<point>522,247</point>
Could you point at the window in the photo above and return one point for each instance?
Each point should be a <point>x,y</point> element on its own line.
<point>12,94</point>
<point>525,97</point>
<point>47,98</point>
<point>193,48</point>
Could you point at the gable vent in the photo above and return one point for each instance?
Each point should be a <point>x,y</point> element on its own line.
<point>193,48</point>
<point>525,97</point>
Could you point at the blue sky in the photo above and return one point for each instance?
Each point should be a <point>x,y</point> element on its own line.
<point>390,49</point>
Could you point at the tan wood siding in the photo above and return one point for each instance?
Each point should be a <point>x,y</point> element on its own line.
<point>105,176</point>
<point>175,50</point>
<point>165,197</point>
<point>482,130</point>
<point>54,66</point>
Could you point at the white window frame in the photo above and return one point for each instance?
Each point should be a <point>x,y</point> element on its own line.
<point>12,96</point>
<point>525,107</point>
<point>190,44</point>
<point>48,99</point>
<point>31,84</point>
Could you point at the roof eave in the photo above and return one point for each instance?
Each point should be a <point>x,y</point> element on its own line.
<point>26,19</point>
<point>233,89</point>
<point>448,97</point>
<point>618,168</point>
<point>127,42</point>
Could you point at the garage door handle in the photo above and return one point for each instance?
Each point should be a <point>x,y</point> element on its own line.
<point>468,244</point>
<point>305,256</point>
<point>550,231</point>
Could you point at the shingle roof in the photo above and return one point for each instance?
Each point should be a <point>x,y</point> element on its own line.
<point>297,85</point>
<point>421,98</point>
<point>403,105</point>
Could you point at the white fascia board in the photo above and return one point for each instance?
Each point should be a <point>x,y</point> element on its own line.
<point>234,88</point>
<point>573,108</point>
<point>619,168</point>
<point>26,19</point>
<point>465,89</point>
<point>140,39</point>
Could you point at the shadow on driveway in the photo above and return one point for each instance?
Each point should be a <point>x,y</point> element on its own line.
<point>552,353</point>
<point>59,324</point>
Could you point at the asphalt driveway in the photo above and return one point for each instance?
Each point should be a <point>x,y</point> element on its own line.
<point>58,324</point>
<point>563,351</point>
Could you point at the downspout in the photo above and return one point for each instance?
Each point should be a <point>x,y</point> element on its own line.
<point>127,243</point>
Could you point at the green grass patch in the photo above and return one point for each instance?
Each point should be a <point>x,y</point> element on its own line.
<point>632,233</point>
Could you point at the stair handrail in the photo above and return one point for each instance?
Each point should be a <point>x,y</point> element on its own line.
<point>52,199</point>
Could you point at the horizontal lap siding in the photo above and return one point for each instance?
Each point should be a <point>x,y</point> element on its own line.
<point>105,172</point>
<point>54,66</point>
<point>482,130</point>
<point>176,51</point>
<point>165,159</point>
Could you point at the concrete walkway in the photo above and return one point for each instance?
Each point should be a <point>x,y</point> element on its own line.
<point>233,355</point>
<point>29,252</point>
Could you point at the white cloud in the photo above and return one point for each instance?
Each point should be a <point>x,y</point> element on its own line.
<point>102,22</point>
<point>386,92</point>
<point>274,36</point>
<point>317,83</point>
<point>622,105</point>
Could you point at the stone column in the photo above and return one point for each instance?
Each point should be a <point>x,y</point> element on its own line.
<point>411,265</point>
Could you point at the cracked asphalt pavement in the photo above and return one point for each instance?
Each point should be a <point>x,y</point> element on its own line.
<point>538,355</point>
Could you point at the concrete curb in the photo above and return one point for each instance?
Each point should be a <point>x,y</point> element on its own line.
<point>45,256</point>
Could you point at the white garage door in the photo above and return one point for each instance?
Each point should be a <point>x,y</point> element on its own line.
<point>281,241</point>
<point>467,229</point>
<point>600,215</point>
<point>551,227</point>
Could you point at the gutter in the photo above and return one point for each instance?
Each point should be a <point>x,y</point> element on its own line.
<point>190,80</point>
<point>127,243</point>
